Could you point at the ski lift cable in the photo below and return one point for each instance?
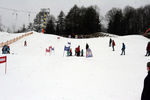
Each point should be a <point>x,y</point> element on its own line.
<point>15,10</point>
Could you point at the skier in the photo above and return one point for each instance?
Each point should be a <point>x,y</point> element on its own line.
<point>146,89</point>
<point>113,44</point>
<point>123,49</point>
<point>148,49</point>
<point>25,43</point>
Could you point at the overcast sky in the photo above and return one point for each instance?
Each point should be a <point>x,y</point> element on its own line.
<point>8,17</point>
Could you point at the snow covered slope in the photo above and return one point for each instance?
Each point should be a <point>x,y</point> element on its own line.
<point>34,75</point>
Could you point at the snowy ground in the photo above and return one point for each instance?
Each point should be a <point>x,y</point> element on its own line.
<point>34,75</point>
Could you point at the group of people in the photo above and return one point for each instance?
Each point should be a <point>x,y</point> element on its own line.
<point>79,52</point>
<point>112,43</point>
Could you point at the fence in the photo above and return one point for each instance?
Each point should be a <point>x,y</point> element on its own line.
<point>15,39</point>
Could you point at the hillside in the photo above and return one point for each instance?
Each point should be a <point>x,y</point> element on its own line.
<point>34,75</point>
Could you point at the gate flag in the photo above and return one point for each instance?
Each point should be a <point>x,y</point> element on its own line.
<point>4,60</point>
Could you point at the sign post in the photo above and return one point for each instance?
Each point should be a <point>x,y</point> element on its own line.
<point>4,60</point>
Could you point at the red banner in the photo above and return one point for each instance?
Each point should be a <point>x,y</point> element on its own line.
<point>147,31</point>
<point>3,59</point>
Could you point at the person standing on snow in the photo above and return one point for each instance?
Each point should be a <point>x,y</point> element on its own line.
<point>110,42</point>
<point>123,49</point>
<point>113,45</point>
<point>87,46</point>
<point>78,51</point>
<point>70,52</point>
<point>146,90</point>
<point>82,52</point>
<point>25,43</point>
<point>148,49</point>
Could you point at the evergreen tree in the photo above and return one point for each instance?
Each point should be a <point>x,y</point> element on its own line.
<point>60,28</point>
<point>115,21</point>
<point>91,21</point>
<point>37,25</point>
<point>1,29</point>
<point>82,20</point>
<point>30,27</point>
<point>72,20</point>
<point>51,27</point>
<point>129,20</point>
<point>146,17</point>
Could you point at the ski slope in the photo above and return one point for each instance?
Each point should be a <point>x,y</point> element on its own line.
<point>34,75</point>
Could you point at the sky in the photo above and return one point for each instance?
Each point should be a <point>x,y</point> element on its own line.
<point>10,19</point>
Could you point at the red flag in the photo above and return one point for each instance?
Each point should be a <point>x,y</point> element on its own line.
<point>147,31</point>
<point>3,59</point>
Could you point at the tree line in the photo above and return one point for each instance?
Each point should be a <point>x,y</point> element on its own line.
<point>87,20</point>
<point>129,20</point>
<point>79,21</point>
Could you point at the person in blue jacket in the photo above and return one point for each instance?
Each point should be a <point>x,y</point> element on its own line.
<point>123,49</point>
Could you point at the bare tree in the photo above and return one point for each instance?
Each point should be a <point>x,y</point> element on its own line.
<point>1,29</point>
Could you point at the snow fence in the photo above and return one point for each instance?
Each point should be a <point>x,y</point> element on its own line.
<point>15,39</point>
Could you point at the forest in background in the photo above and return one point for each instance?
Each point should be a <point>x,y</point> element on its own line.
<point>88,20</point>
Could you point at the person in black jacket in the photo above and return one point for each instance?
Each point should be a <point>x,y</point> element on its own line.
<point>110,42</point>
<point>146,89</point>
<point>87,46</point>
<point>148,49</point>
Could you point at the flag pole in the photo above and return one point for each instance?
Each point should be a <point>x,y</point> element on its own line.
<point>5,67</point>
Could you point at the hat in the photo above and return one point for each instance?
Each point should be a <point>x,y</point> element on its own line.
<point>148,64</point>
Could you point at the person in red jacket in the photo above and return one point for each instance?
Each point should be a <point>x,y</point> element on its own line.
<point>25,43</point>
<point>78,51</point>
<point>148,49</point>
<point>113,45</point>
